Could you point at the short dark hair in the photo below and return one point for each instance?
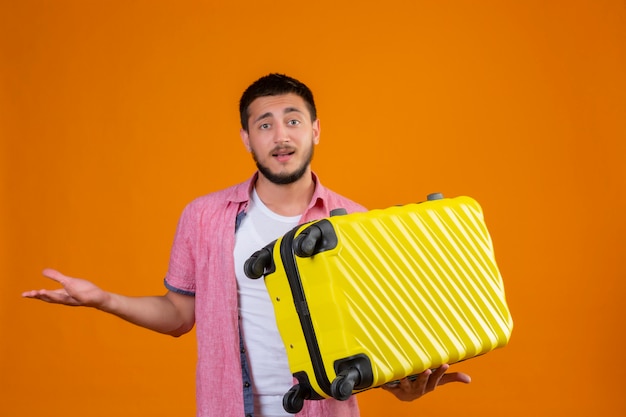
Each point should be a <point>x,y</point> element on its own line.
<point>274,85</point>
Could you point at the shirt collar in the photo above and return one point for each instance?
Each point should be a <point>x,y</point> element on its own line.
<point>241,193</point>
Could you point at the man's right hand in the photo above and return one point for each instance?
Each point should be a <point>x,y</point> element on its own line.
<point>172,313</point>
<point>75,292</point>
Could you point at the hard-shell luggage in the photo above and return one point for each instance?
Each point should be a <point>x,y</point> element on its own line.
<point>365,299</point>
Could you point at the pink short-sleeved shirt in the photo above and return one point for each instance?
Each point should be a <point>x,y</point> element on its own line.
<point>202,264</point>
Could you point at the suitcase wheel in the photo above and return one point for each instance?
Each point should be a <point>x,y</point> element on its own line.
<point>293,400</point>
<point>255,265</point>
<point>305,244</point>
<point>344,383</point>
<point>338,212</point>
<point>434,196</point>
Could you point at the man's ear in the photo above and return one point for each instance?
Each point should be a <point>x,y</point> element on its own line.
<point>316,131</point>
<point>245,139</point>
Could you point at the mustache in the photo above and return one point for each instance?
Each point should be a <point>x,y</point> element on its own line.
<point>283,148</point>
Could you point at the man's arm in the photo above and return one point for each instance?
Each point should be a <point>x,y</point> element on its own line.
<point>172,313</point>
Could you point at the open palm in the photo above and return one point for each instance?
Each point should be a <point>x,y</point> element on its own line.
<point>75,291</point>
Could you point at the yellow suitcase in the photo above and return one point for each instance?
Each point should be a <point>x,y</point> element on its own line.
<point>364,299</point>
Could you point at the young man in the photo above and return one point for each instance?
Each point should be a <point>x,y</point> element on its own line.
<point>242,366</point>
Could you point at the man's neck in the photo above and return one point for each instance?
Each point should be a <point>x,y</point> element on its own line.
<point>286,199</point>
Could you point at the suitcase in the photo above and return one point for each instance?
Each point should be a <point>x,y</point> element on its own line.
<point>365,299</point>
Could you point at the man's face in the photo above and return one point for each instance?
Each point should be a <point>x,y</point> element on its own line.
<point>281,137</point>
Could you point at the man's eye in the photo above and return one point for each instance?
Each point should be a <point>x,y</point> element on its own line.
<point>293,122</point>
<point>264,126</point>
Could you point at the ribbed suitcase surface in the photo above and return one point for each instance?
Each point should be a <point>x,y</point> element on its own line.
<point>389,292</point>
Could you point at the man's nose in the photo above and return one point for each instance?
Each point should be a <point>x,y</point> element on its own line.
<point>281,134</point>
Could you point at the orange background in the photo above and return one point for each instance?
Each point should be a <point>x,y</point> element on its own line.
<point>115,114</point>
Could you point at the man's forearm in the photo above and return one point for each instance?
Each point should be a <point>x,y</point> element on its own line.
<point>158,313</point>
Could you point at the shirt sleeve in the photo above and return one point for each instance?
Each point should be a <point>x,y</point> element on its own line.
<point>181,272</point>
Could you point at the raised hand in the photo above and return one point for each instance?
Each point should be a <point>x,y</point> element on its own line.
<point>75,291</point>
<point>409,390</point>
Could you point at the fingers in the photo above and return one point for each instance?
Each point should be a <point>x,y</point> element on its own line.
<point>30,294</point>
<point>59,296</point>
<point>54,275</point>
<point>440,377</point>
<point>44,295</point>
<point>419,385</point>
<point>455,377</point>
<point>408,390</point>
<point>48,295</point>
<point>435,377</point>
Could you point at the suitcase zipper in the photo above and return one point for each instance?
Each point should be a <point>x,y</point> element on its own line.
<point>293,277</point>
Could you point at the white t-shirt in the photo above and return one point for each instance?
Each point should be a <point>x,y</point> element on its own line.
<point>267,359</point>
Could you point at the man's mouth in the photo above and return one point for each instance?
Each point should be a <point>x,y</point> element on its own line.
<point>283,154</point>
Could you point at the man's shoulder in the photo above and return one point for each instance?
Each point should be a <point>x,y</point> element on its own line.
<point>220,198</point>
<point>336,200</point>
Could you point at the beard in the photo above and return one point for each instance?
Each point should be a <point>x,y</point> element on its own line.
<point>284,178</point>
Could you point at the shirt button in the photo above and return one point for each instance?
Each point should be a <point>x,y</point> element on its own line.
<point>247,385</point>
<point>243,350</point>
